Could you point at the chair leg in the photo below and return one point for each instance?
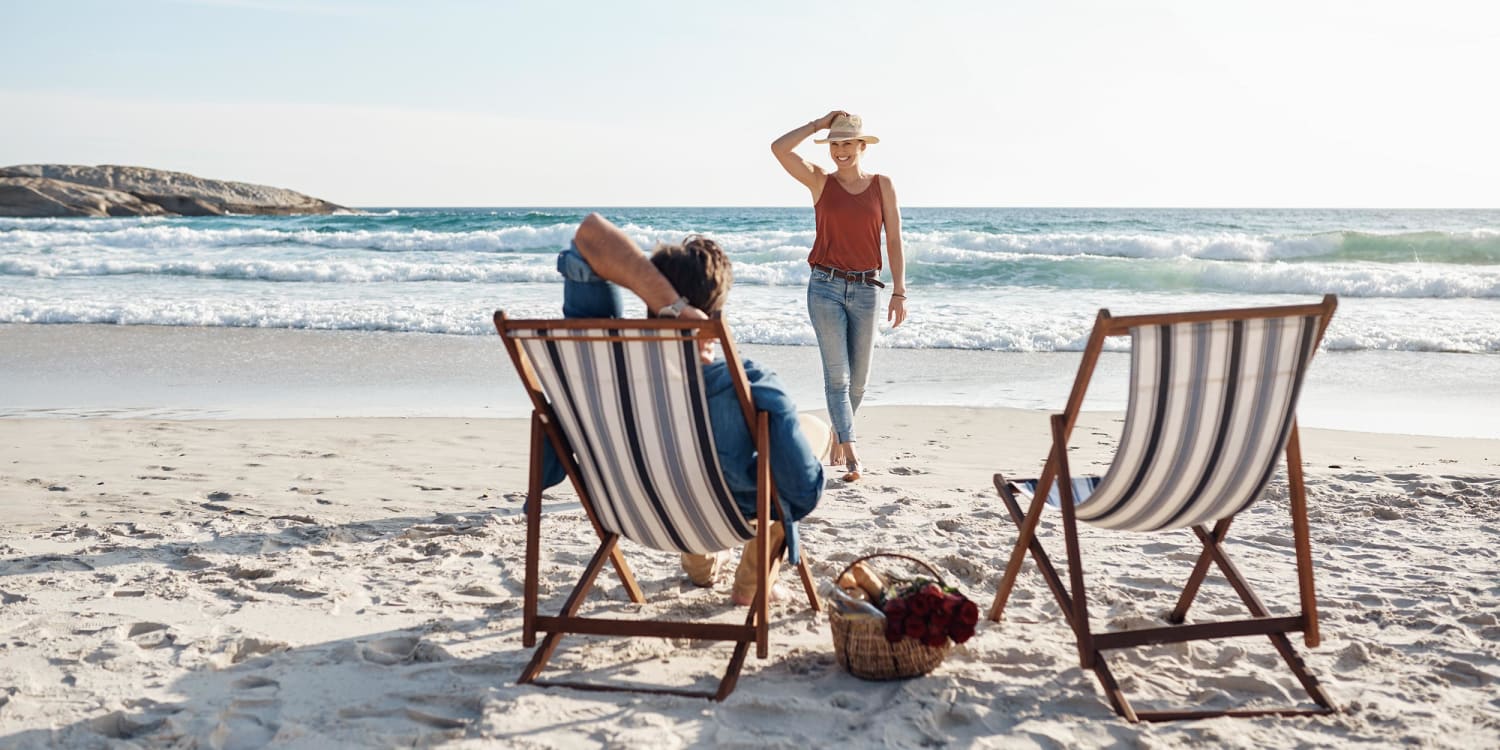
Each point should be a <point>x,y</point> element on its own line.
<point>1213,554</point>
<point>1038,554</point>
<point>1297,493</point>
<point>1200,571</point>
<point>1026,527</point>
<point>805,574</point>
<point>575,599</point>
<point>1088,655</point>
<point>1252,602</point>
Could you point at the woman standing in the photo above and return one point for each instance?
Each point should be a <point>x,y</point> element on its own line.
<point>851,208</point>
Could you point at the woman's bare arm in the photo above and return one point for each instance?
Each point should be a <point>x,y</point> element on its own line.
<point>800,169</point>
<point>890,209</point>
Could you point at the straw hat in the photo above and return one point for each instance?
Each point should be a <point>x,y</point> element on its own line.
<point>847,128</point>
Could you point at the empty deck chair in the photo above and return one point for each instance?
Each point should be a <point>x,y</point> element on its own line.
<point>1212,404</point>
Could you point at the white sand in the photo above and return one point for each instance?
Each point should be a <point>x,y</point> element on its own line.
<point>319,583</point>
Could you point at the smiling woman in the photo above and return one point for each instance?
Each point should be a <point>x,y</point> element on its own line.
<point>850,210</point>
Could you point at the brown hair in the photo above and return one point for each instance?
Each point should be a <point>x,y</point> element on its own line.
<point>698,269</point>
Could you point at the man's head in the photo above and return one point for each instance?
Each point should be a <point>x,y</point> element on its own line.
<point>698,269</point>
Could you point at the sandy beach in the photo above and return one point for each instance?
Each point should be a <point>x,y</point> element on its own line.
<point>357,582</point>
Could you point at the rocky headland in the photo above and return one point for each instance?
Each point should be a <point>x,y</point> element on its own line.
<point>53,190</point>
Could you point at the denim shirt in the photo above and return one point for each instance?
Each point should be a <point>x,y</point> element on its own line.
<point>795,468</point>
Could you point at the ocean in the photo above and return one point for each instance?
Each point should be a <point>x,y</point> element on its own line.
<point>1021,281</point>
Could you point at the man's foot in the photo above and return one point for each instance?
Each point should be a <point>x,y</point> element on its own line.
<point>702,570</point>
<point>778,593</point>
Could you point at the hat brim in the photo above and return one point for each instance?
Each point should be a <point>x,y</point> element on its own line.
<point>865,138</point>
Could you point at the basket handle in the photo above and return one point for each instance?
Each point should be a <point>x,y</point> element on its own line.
<point>908,558</point>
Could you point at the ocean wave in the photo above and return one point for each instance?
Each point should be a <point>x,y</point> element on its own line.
<point>1029,325</point>
<point>166,237</point>
<point>353,271</point>
<point>393,232</point>
<point>955,270</point>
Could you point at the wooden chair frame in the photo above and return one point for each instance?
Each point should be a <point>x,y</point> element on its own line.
<point>545,427</point>
<point>1091,645</point>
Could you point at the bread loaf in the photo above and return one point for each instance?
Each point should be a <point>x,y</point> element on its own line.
<point>869,580</point>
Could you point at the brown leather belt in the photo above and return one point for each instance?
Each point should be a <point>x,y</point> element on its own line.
<point>860,277</point>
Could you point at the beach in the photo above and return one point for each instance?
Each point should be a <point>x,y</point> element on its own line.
<point>242,538</point>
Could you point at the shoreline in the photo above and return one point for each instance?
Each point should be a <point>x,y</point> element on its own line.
<point>85,370</point>
<point>357,581</point>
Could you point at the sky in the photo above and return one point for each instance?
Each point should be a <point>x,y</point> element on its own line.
<point>1146,103</point>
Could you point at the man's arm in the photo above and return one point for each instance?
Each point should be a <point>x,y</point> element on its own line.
<point>612,255</point>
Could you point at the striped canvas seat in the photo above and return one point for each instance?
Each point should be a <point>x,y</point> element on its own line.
<point>1211,405</point>
<point>636,415</point>
<point>622,405</point>
<point>1212,408</point>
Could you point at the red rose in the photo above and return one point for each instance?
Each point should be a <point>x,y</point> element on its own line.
<point>918,605</point>
<point>968,614</point>
<point>935,640</point>
<point>961,632</point>
<point>915,627</point>
<point>895,608</point>
<point>951,603</point>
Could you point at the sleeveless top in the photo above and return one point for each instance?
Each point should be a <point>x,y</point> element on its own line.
<point>848,227</point>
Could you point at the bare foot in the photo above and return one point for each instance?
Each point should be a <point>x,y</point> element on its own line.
<point>853,471</point>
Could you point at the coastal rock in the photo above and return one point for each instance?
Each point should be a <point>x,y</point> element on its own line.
<point>108,190</point>
<point>34,196</point>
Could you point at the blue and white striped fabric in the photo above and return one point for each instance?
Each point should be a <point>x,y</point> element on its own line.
<point>636,416</point>
<point>1211,407</point>
<point>1082,488</point>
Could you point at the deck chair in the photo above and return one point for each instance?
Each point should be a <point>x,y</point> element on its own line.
<point>1212,403</point>
<point>622,403</point>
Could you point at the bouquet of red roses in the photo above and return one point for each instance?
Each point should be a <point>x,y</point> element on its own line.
<point>927,611</point>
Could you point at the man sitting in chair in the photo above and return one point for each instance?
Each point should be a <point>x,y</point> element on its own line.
<point>692,280</point>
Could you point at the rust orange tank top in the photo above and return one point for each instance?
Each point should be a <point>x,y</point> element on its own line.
<point>848,227</point>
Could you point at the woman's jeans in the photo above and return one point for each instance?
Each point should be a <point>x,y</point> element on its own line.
<point>843,318</point>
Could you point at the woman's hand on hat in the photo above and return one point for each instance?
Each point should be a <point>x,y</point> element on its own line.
<point>826,121</point>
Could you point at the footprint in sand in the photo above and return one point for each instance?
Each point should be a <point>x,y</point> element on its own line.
<point>249,574</point>
<point>255,681</point>
<point>248,648</point>
<point>401,649</point>
<point>150,635</point>
<point>116,725</point>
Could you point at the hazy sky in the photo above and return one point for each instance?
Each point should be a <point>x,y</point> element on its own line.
<point>994,103</point>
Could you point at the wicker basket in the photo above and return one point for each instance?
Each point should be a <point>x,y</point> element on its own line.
<point>860,646</point>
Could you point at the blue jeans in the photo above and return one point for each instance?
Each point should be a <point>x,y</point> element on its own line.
<point>843,318</point>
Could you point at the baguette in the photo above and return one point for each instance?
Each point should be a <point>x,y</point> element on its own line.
<point>869,580</point>
<point>848,581</point>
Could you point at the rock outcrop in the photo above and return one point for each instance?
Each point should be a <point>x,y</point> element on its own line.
<point>69,190</point>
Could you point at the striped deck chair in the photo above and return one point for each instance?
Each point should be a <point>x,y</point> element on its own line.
<point>622,404</point>
<point>1212,403</point>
